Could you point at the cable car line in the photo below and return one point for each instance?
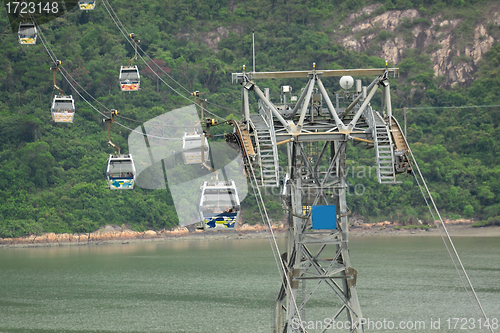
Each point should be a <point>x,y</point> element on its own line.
<point>445,243</point>
<point>51,54</point>
<point>448,107</point>
<point>63,71</point>
<point>447,234</point>
<point>124,32</point>
<point>125,29</point>
<point>451,243</point>
<point>265,217</point>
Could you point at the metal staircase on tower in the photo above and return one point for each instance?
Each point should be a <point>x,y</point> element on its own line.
<point>384,148</point>
<point>266,148</point>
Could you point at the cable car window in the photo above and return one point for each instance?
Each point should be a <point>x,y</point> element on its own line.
<point>27,32</point>
<point>121,169</point>
<point>61,105</point>
<point>129,74</point>
<point>218,198</point>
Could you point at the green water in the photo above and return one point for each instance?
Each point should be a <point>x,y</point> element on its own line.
<point>229,286</point>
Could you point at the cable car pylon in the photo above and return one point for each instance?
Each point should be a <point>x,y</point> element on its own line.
<point>313,189</point>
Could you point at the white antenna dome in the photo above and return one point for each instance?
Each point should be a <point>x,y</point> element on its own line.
<point>346,82</point>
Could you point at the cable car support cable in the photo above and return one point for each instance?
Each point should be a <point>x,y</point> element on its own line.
<point>265,217</point>
<point>440,219</point>
<point>161,69</point>
<point>65,76</point>
<point>125,33</point>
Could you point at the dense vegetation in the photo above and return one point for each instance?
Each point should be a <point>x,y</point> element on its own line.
<point>52,175</point>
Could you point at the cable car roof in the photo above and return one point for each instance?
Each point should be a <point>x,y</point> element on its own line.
<point>63,103</point>
<point>218,185</point>
<point>193,141</point>
<point>118,158</point>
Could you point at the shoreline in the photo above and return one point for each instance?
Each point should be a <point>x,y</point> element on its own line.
<point>118,235</point>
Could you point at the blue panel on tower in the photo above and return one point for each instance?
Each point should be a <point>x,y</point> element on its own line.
<point>324,217</point>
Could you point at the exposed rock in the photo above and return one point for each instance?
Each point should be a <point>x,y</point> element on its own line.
<point>149,234</point>
<point>387,21</point>
<point>213,38</point>
<point>457,62</point>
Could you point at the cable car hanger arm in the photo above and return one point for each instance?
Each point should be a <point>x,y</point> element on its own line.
<point>109,121</point>
<point>55,68</point>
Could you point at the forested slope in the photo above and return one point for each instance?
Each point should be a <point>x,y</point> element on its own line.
<point>52,175</point>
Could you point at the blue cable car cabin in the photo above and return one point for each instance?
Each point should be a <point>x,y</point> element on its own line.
<point>130,79</point>
<point>87,5</point>
<point>191,148</point>
<point>27,33</point>
<point>219,206</point>
<point>63,109</point>
<point>120,172</point>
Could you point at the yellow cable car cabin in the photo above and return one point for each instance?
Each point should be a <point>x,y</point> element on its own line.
<point>27,33</point>
<point>130,79</point>
<point>120,172</point>
<point>191,148</point>
<point>63,109</point>
<point>87,5</point>
<point>219,205</point>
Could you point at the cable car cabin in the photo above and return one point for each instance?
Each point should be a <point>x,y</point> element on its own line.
<point>86,5</point>
<point>191,148</point>
<point>27,33</point>
<point>219,207</point>
<point>120,172</point>
<point>63,109</point>
<point>130,79</point>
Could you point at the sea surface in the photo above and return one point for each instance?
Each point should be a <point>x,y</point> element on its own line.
<point>231,286</point>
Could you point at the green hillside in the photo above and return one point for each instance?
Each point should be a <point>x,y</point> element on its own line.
<point>52,175</point>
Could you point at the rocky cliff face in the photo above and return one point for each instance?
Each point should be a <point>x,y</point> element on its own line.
<point>454,55</point>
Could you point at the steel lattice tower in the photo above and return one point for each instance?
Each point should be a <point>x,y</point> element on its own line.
<point>318,274</point>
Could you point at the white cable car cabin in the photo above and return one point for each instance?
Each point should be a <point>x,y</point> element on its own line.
<point>87,5</point>
<point>191,148</point>
<point>120,172</point>
<point>27,33</point>
<point>130,79</point>
<point>63,109</point>
<point>219,206</point>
